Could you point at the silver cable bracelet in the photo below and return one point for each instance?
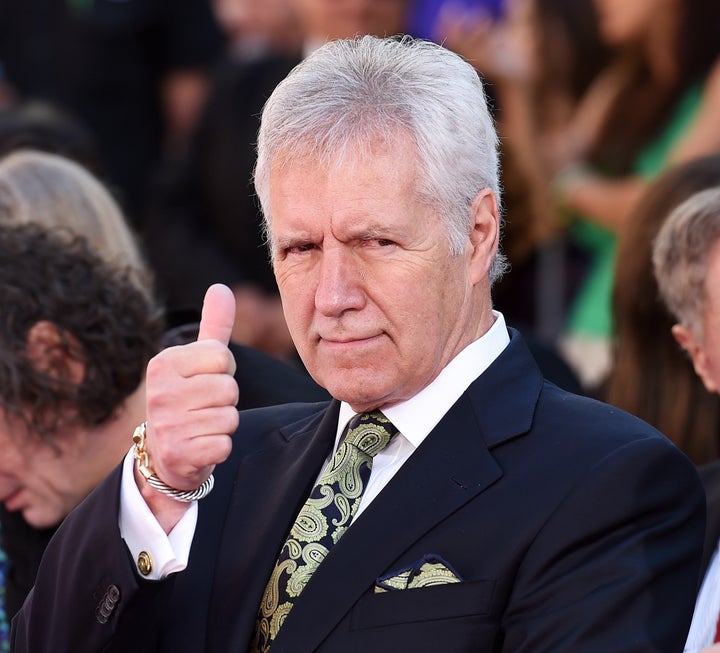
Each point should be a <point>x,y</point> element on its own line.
<point>143,463</point>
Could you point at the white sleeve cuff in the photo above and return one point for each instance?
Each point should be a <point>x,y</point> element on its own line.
<point>143,534</point>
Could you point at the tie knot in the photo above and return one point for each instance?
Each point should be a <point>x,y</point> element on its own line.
<point>370,432</point>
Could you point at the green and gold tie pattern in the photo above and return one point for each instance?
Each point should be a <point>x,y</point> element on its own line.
<point>323,519</point>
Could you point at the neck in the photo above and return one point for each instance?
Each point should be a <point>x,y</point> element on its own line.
<point>660,48</point>
<point>106,445</point>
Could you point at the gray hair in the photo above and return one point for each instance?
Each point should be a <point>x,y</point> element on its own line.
<point>681,253</point>
<point>352,92</point>
<point>53,191</point>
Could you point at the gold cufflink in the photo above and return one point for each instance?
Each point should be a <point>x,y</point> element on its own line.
<point>144,563</point>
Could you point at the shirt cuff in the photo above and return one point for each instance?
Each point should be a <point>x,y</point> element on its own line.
<point>143,535</point>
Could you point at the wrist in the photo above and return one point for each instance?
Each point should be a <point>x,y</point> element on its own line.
<point>151,479</point>
<point>168,512</point>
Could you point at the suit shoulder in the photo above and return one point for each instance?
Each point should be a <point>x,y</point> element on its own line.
<point>592,429</point>
<point>591,413</point>
<point>283,415</point>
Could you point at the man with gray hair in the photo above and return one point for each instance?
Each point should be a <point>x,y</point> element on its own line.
<point>448,498</point>
<point>686,262</point>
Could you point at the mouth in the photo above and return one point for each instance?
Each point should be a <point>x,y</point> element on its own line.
<point>345,342</point>
<point>11,501</point>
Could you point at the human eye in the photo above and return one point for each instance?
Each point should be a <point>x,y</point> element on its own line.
<point>295,248</point>
<point>300,248</point>
<point>378,241</point>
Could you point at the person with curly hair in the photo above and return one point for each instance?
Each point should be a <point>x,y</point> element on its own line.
<point>75,337</point>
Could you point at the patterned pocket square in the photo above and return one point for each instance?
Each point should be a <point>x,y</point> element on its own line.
<point>431,569</point>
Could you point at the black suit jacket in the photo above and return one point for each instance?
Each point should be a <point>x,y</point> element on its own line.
<point>574,526</point>
<point>710,476</point>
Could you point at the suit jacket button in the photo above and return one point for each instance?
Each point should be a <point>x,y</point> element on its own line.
<point>144,563</point>
<point>112,594</point>
<point>107,604</point>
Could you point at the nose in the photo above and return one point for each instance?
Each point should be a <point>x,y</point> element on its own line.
<point>340,283</point>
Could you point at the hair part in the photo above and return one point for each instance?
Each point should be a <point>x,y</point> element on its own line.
<point>352,94</point>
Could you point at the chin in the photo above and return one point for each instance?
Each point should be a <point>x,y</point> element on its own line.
<point>41,520</point>
<point>360,401</point>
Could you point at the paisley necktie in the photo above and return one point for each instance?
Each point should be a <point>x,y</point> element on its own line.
<point>323,519</point>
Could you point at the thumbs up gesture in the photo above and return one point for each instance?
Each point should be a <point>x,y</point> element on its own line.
<point>191,398</point>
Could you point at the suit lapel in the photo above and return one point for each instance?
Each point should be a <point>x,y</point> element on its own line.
<point>257,520</point>
<point>451,467</point>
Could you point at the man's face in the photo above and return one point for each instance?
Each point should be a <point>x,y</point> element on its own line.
<point>375,303</point>
<point>35,478</point>
<point>705,351</point>
<point>623,22</point>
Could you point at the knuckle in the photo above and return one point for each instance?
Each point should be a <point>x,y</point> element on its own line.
<point>217,356</point>
<point>230,390</point>
<point>224,447</point>
<point>232,420</point>
<point>160,364</point>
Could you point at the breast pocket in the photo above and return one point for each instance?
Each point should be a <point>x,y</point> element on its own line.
<point>466,599</point>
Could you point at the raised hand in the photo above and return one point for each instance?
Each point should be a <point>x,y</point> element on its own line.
<point>191,399</point>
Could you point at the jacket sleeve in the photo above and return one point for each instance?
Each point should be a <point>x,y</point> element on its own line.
<point>87,593</point>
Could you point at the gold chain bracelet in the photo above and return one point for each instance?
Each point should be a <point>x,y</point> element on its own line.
<point>143,463</point>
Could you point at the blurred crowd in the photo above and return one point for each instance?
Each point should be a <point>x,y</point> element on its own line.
<point>135,122</point>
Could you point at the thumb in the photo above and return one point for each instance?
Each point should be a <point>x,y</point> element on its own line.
<point>218,314</point>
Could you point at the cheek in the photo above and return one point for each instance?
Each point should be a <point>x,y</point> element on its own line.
<point>713,359</point>
<point>297,302</point>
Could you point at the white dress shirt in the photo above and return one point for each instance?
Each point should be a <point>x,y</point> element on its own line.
<point>707,608</point>
<point>414,419</point>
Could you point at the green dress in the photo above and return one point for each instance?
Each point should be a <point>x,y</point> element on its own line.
<point>591,311</point>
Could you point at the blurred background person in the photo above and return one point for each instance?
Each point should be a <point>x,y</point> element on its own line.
<point>205,224</point>
<point>656,104</point>
<point>253,29</point>
<point>686,262</point>
<point>37,125</point>
<point>651,376</point>
<point>51,190</point>
<point>425,18</point>
<point>135,73</point>
<point>621,90</point>
<point>540,58</point>
<point>76,334</point>
<point>65,317</point>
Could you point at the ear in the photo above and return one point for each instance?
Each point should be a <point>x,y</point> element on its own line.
<point>49,351</point>
<point>688,341</point>
<point>485,234</point>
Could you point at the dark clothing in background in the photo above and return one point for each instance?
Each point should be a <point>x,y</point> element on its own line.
<point>104,61</point>
<point>204,225</point>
